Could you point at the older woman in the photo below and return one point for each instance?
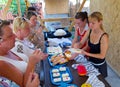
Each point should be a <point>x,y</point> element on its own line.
<point>13,66</point>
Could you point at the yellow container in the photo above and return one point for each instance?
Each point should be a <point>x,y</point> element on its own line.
<point>86,85</point>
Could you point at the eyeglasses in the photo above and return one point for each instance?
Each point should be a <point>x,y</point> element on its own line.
<point>1,39</point>
<point>25,20</point>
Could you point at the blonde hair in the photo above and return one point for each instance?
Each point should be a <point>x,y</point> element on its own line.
<point>98,16</point>
<point>19,23</point>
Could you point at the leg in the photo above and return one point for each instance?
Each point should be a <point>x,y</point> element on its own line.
<point>103,69</point>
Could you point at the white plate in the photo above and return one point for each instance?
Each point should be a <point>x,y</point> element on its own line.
<point>73,50</point>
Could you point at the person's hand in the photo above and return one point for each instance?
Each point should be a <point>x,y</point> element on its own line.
<point>37,56</point>
<point>43,56</point>
<point>33,80</point>
<point>83,52</point>
<point>76,45</point>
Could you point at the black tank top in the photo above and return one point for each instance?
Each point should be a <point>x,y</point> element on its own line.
<point>95,48</point>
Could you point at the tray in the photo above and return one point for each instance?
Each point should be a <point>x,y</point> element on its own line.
<point>67,85</point>
<point>62,74</point>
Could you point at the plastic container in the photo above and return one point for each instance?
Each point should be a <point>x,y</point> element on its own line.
<point>81,70</point>
<point>86,85</point>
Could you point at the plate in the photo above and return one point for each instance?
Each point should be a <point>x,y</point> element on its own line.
<point>60,75</point>
<point>73,50</point>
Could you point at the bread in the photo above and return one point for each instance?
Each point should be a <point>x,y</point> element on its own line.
<point>56,74</point>
<point>68,54</point>
<point>58,59</point>
<point>59,32</point>
<point>55,70</point>
<point>62,68</point>
<point>57,79</point>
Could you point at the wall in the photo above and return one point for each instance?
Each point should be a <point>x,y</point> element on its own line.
<point>111,11</point>
<point>56,6</point>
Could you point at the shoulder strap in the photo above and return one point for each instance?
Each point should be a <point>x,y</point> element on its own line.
<point>89,34</point>
<point>102,36</point>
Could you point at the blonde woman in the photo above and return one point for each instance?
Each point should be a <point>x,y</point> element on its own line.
<point>21,29</point>
<point>97,42</point>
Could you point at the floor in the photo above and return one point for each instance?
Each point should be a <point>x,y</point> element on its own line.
<point>113,79</point>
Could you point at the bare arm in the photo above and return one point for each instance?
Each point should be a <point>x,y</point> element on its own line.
<point>84,39</point>
<point>33,80</point>
<point>33,60</point>
<point>103,48</point>
<point>75,38</point>
<point>11,72</point>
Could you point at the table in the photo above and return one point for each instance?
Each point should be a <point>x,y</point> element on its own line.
<point>78,80</point>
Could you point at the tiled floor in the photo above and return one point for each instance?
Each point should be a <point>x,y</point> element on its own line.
<point>113,79</point>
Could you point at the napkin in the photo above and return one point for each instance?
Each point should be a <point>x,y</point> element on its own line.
<point>80,59</point>
<point>94,81</point>
<point>91,69</point>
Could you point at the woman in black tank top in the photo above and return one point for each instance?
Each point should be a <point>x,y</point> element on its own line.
<point>95,49</point>
<point>97,42</point>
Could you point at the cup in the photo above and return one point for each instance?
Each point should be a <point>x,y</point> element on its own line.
<point>86,85</point>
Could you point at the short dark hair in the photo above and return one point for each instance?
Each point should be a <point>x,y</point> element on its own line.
<point>30,14</point>
<point>82,15</point>
<point>31,9</point>
<point>2,24</point>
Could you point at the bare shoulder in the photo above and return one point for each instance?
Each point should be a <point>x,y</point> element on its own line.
<point>105,37</point>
